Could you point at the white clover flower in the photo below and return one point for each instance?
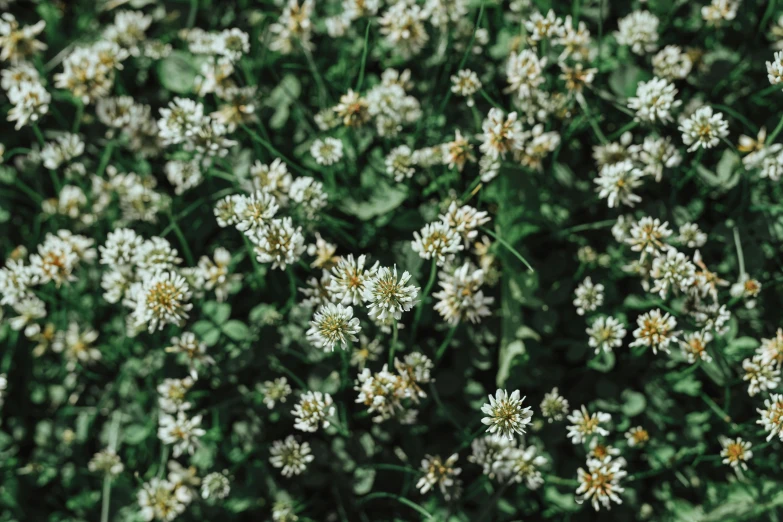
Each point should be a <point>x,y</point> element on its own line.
<point>352,109</point>
<point>273,178</point>
<point>500,134</point>
<point>106,462</point>
<point>154,255</point>
<point>458,152</point>
<point>461,297</point>
<point>327,151</point>
<point>193,350</point>
<point>588,296</point>
<point>438,472</point>
<point>31,101</point>
<point>772,416</point>
<point>16,279</point>
<point>161,500</point>
<point>601,482</point>
<point>366,350</point>
<point>283,511</point>
<point>19,42</point>
<point>761,375</point>
<point>387,296</point>
<point>383,392</point>
<point>694,346</point>
<point>672,271</point>
<point>772,349</point>
<point>181,120</point>
<point>775,69</point>
<point>554,407</point>
<point>65,148</point>
<point>585,425</point>
<point>55,261</point>
<point>691,236</point>
<point>671,63</point>
<point>76,345</point>
<point>639,31</point>
<point>294,27</point>
<point>278,243</point>
<point>492,453</point>
<point>466,83</point>
<point>403,28</point>
<point>350,278</point>
<point>312,411</point>
<point>171,394</point>
<point>215,486</point>
<point>736,453</point>
<point>309,195</point>
<point>183,175</point>
<point>704,129</point>
<point>290,455</point>
<point>128,29</point>
<point>637,436</point>
<point>656,330</point>
<point>464,219</point>
<point>163,299</point>
<point>215,273</point>
<point>647,236</point>
<point>505,414</point>
<point>181,431</point>
<point>437,241</point>
<point>616,183</point>
<point>275,391</point>
<point>525,466</point>
<point>719,11</point>
<point>225,211</point>
<point>30,309</point>
<point>540,26</point>
<point>605,334</point>
<point>654,101</point>
<point>399,163</point>
<point>333,324</point>
<point>525,73</point>
<point>712,317</point>
<point>656,154</point>
<point>254,211</point>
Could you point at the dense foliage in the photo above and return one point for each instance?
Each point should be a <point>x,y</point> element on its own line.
<point>366,260</point>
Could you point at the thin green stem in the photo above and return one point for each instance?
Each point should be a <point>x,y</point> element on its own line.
<point>393,347</point>
<point>105,158</point>
<point>77,119</point>
<point>593,123</point>
<point>509,247</point>
<point>740,256</point>
<point>445,343</point>
<point>360,80</point>
<point>774,134</point>
<point>106,499</point>
<point>422,303</point>
<point>182,241</point>
<point>402,500</point>
<point>192,13</point>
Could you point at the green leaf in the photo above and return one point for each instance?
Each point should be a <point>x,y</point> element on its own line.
<point>634,403</point>
<point>178,71</point>
<point>236,330</point>
<point>507,355</point>
<point>218,312</point>
<point>688,386</point>
<point>135,434</point>
<point>363,480</point>
<point>383,199</point>
<point>603,362</point>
